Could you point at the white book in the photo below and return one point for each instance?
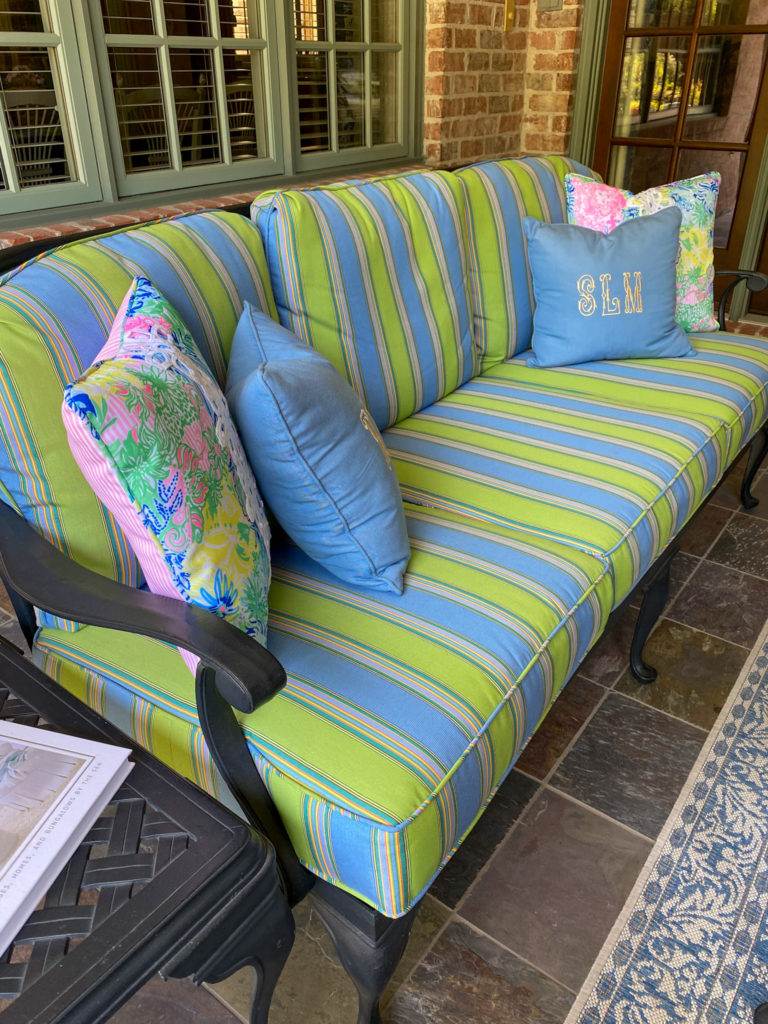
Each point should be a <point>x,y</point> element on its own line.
<point>52,790</point>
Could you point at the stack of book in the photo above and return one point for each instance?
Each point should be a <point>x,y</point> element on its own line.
<point>52,790</point>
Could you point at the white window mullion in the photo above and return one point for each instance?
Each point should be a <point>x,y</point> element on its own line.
<point>6,154</point>
<point>333,109</point>
<point>220,85</point>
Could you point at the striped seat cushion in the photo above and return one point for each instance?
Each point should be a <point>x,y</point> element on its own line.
<point>55,315</point>
<point>374,276</point>
<point>500,194</point>
<point>589,470</point>
<point>727,379</point>
<point>402,714</point>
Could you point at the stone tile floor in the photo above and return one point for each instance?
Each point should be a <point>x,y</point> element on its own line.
<point>511,927</point>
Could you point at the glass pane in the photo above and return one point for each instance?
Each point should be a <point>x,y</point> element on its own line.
<point>349,21</point>
<point>730,165</point>
<point>661,13</point>
<point>186,17</point>
<point>314,120</point>
<point>727,74</point>
<point>239,19</point>
<point>309,20</point>
<point>385,27</point>
<point>639,167</point>
<point>734,12</point>
<point>350,99</point>
<point>24,16</point>
<point>245,104</point>
<point>33,112</point>
<point>140,110</point>
<point>384,98</point>
<point>194,96</point>
<point>651,86</point>
<point>126,17</point>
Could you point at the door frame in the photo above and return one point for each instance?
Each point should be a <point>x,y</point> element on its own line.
<point>589,81</point>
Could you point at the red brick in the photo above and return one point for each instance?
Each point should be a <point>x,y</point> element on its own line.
<point>538,81</point>
<point>464,84</point>
<point>478,61</point>
<point>498,104</point>
<point>489,83</point>
<point>465,38</point>
<point>567,18</point>
<point>553,61</point>
<point>561,123</point>
<point>481,14</point>
<point>439,38</point>
<point>489,39</point>
<point>476,104</point>
<point>553,102</point>
<point>542,40</point>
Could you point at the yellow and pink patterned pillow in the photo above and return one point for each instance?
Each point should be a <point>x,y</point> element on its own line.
<point>592,204</point>
<point>151,431</point>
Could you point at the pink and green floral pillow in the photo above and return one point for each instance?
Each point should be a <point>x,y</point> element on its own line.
<point>151,431</point>
<point>592,204</point>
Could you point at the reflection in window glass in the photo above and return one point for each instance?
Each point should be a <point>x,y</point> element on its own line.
<point>651,85</point>
<point>384,21</point>
<point>238,19</point>
<point>726,80</point>
<point>661,13</point>
<point>31,98</point>
<point>245,103</point>
<point>639,167</point>
<point>350,100</point>
<point>140,109</point>
<point>309,20</point>
<point>730,165</point>
<point>186,17</point>
<point>24,16</point>
<point>194,96</point>
<point>384,98</point>
<point>127,18</point>
<point>314,120</point>
<point>348,19</point>
<point>733,12</point>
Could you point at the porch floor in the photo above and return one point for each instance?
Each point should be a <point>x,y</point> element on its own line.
<point>512,926</point>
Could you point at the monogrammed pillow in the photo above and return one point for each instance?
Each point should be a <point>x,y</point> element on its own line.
<point>605,296</point>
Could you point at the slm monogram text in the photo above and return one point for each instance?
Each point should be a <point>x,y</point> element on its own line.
<point>611,304</point>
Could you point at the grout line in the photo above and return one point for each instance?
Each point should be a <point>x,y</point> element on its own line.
<point>661,711</point>
<point>733,568</point>
<point>706,632</point>
<point>602,814</point>
<point>518,956</point>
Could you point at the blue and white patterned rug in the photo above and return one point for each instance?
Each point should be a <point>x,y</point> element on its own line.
<point>691,945</point>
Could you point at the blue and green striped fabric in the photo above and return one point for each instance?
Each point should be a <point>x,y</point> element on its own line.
<point>612,458</point>
<point>373,275</point>
<point>55,315</point>
<point>500,194</point>
<point>402,713</point>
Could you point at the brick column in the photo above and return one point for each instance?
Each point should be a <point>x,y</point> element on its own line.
<point>493,92</point>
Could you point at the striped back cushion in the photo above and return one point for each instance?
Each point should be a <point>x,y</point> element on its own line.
<point>499,195</point>
<point>373,275</point>
<point>55,315</point>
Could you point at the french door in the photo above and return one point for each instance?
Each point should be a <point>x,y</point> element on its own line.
<point>685,91</point>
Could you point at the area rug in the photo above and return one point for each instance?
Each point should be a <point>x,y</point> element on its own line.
<point>691,944</point>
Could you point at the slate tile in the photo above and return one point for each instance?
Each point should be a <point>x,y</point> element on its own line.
<point>474,853</point>
<point>743,545</point>
<point>168,1002</point>
<point>566,716</point>
<point>610,655</point>
<point>683,566</point>
<point>630,763</point>
<point>700,535</point>
<point>467,978</point>
<point>556,885</point>
<point>696,673</point>
<point>724,602</point>
<point>314,987</point>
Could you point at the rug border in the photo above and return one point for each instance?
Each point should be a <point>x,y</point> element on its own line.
<point>599,963</point>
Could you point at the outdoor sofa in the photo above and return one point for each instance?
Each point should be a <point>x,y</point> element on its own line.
<point>370,735</point>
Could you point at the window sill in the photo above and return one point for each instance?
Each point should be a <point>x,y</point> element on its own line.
<point>18,243</point>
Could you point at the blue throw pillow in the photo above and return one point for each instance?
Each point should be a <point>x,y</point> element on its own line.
<point>317,455</point>
<point>605,296</point>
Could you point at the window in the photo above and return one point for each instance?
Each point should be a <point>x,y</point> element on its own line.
<point>115,98</point>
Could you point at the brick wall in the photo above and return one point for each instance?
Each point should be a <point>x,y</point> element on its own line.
<point>492,91</point>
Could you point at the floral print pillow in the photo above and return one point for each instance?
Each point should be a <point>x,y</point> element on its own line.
<point>151,431</point>
<point>590,205</point>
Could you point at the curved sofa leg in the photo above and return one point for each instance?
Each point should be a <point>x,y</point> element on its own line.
<point>654,600</point>
<point>368,944</point>
<point>757,452</point>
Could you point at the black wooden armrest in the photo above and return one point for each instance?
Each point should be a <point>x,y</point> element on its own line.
<point>755,282</point>
<point>246,673</point>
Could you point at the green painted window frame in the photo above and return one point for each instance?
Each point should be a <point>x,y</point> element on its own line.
<point>86,185</point>
<point>91,111</point>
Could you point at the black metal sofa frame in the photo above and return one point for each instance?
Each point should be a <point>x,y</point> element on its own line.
<point>236,672</point>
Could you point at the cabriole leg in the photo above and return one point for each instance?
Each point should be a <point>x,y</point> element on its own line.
<point>654,600</point>
<point>757,452</point>
<point>368,944</point>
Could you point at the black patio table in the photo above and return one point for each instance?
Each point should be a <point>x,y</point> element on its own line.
<point>167,880</point>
